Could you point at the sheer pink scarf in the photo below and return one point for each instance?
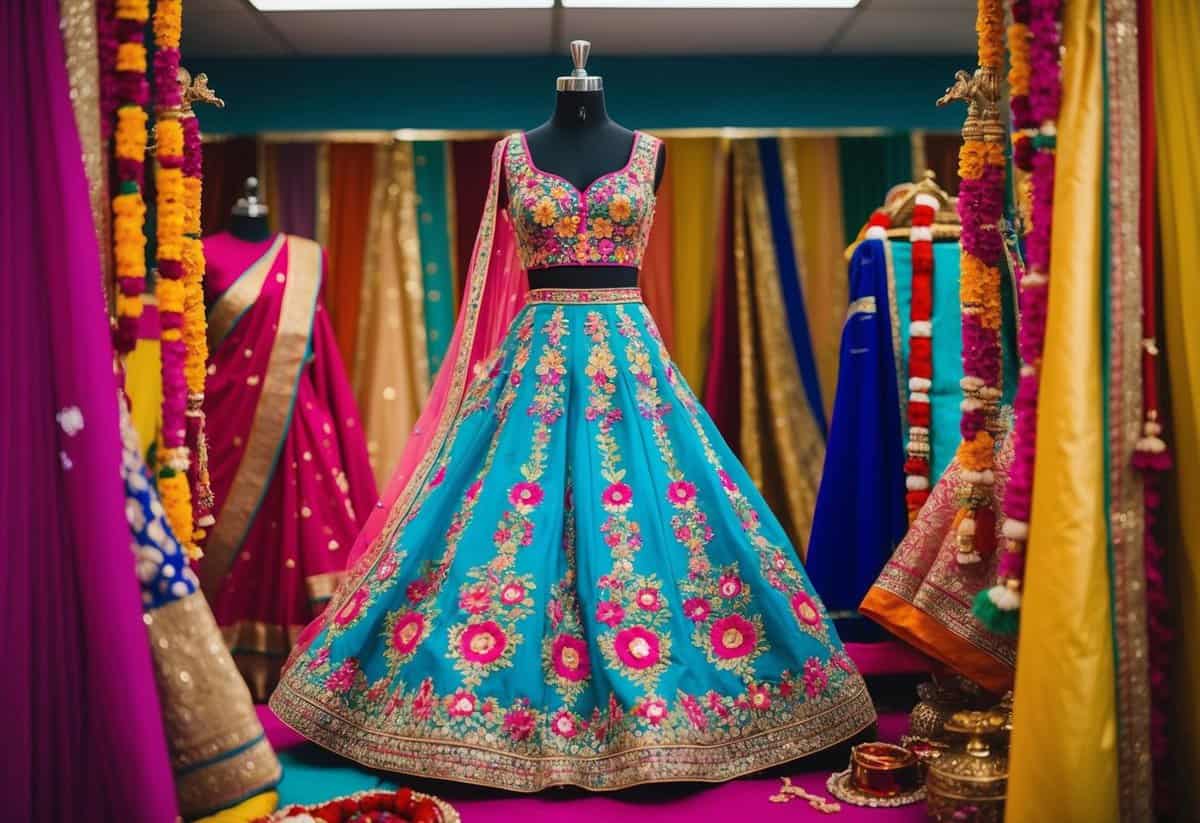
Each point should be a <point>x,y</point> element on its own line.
<point>495,291</point>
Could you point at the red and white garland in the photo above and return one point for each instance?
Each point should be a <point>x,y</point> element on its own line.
<point>920,355</point>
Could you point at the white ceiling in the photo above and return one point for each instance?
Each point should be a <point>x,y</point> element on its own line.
<point>234,28</point>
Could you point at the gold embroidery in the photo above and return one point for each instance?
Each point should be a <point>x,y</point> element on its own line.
<point>863,305</point>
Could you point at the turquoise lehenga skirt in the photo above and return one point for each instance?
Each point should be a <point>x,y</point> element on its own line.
<point>588,590</point>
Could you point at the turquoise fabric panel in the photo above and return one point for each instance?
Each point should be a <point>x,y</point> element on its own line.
<point>431,164</point>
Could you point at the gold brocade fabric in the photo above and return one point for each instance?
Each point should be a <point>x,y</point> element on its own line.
<point>780,444</point>
<point>816,193</point>
<point>1177,113</point>
<point>218,749</point>
<point>1064,741</point>
<point>391,371</point>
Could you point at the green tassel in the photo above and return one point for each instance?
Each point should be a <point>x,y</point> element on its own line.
<point>995,619</point>
<point>128,187</point>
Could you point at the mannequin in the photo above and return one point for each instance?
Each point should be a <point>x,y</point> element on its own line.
<point>581,143</point>
<point>249,220</point>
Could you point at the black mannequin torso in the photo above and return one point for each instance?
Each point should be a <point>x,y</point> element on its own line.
<point>582,143</point>
<point>250,229</point>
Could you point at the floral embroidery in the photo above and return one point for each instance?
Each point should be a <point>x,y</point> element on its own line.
<point>566,661</point>
<point>608,223</point>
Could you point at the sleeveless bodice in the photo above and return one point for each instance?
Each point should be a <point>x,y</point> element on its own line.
<point>606,224</point>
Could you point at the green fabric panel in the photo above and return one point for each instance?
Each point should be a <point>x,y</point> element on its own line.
<point>430,163</point>
<point>868,167</point>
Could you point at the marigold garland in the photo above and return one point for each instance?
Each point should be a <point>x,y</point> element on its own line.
<point>121,42</point>
<point>174,456</point>
<point>1034,39</point>
<point>980,207</point>
<point>920,358</point>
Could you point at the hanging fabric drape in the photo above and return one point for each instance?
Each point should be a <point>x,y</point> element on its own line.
<point>227,164</point>
<point>1063,762</point>
<point>434,217</point>
<point>722,366</point>
<point>294,182</point>
<point>1176,31</point>
<point>390,365</point>
<point>656,274</point>
<point>351,180</point>
<point>868,167</point>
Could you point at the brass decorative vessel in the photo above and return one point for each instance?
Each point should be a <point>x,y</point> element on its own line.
<point>940,698</point>
<point>970,783</point>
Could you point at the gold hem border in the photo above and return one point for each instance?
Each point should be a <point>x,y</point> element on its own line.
<point>583,296</point>
<point>475,765</point>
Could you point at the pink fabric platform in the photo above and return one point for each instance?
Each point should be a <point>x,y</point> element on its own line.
<point>745,799</point>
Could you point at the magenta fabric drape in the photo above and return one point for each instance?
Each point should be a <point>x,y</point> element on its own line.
<point>83,737</point>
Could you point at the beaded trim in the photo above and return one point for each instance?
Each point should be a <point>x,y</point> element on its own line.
<point>584,296</point>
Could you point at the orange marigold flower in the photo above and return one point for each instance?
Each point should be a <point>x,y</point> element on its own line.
<point>544,212</point>
<point>567,225</point>
<point>619,208</point>
<point>602,227</point>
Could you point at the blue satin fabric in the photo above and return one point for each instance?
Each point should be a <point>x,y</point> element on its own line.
<point>860,514</point>
<point>789,277</point>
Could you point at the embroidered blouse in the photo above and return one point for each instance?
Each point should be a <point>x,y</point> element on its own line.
<point>606,224</point>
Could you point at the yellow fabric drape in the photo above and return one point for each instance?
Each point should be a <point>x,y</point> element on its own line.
<point>255,808</point>
<point>390,365</point>
<point>818,192</point>
<point>696,203</point>
<point>1063,765</point>
<point>143,384</point>
<point>1177,91</point>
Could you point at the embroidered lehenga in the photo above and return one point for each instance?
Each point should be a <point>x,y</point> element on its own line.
<point>571,579</point>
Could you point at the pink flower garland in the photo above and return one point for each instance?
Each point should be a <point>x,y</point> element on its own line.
<point>1034,152</point>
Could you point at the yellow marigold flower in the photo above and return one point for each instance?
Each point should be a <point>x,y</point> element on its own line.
<point>133,10</point>
<point>170,295</point>
<point>602,227</point>
<point>544,212</point>
<point>129,306</point>
<point>168,138</point>
<point>567,225</point>
<point>168,23</point>
<point>131,57</point>
<point>619,208</point>
<point>558,191</point>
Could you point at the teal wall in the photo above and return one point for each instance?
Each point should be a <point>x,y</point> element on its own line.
<point>514,92</point>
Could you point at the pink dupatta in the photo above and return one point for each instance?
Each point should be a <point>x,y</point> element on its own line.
<point>495,291</point>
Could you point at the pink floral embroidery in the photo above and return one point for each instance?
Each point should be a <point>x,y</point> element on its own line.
<point>843,662</point>
<point>526,494</point>
<point>418,590</point>
<point>408,631</point>
<point>694,712</point>
<point>609,613</point>
<point>681,492</point>
<point>555,612</point>
<point>815,677</point>
<point>461,704</point>
<point>697,609</point>
<point>806,608</point>
<point>759,697</point>
<point>730,586</point>
<point>320,660</point>
<point>351,609</point>
<point>475,600</point>
<point>564,725</point>
<point>648,600</point>
<point>726,480</point>
<point>637,647</point>
<point>482,642</point>
<point>387,567</point>
<point>438,477</point>
<point>512,593</point>
<point>473,490</point>
<point>618,495</point>
<point>654,710</point>
<point>343,677</point>
<point>423,700</point>
<point>518,723</point>
<point>732,637</point>
<point>570,655</point>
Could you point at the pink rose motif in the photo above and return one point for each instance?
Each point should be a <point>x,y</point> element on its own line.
<point>780,562</point>
<point>815,677</point>
<point>438,477</point>
<point>806,608</point>
<point>759,697</point>
<point>352,608</point>
<point>618,495</point>
<point>697,609</point>
<point>683,534</point>
<point>342,678</point>
<point>526,494</point>
<point>518,723</point>
<point>730,586</point>
<point>408,631</point>
<point>681,492</point>
<point>648,600</point>
<point>555,612</point>
<point>606,247</point>
<point>475,600</point>
<point>473,490</point>
<point>564,725</point>
<point>694,712</point>
<point>387,567</point>
<point>726,480</point>
<point>461,704</point>
<point>570,656</point>
<point>418,590</point>
<point>482,642</point>
<point>609,613</point>
<point>512,594</point>
<point>732,637</point>
<point>654,710</point>
<point>637,647</point>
